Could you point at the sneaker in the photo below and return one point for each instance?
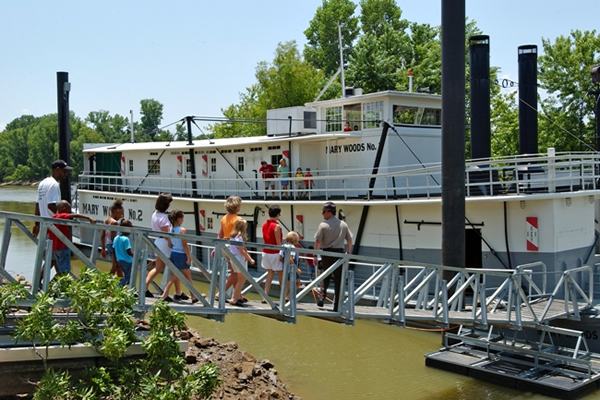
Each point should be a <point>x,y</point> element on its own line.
<point>182,296</point>
<point>320,302</point>
<point>149,294</point>
<point>194,301</point>
<point>168,299</point>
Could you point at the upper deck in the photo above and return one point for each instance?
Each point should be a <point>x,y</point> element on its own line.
<point>513,176</point>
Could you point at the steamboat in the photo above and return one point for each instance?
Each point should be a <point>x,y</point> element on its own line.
<point>378,157</point>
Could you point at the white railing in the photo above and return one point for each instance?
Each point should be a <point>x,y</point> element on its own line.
<point>518,174</point>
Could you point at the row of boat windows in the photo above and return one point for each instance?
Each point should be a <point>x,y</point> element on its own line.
<point>368,115</point>
<point>176,153</point>
<point>154,165</point>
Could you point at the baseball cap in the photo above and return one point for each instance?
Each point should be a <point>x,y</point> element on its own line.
<point>329,206</point>
<point>61,164</point>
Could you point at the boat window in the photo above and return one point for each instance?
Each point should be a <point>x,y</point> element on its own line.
<point>213,164</point>
<point>432,116</point>
<point>240,161</point>
<point>255,148</point>
<point>274,147</point>
<point>239,150</point>
<point>333,118</point>
<point>188,165</point>
<point>310,120</point>
<point>209,223</point>
<point>130,165</point>
<point>153,167</point>
<point>275,159</point>
<point>353,115</point>
<point>372,114</point>
<point>405,114</point>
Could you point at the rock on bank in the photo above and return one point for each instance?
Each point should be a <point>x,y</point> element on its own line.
<point>244,377</point>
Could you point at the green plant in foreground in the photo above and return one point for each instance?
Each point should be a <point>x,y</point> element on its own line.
<point>105,320</point>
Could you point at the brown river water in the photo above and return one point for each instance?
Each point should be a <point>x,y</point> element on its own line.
<point>317,359</point>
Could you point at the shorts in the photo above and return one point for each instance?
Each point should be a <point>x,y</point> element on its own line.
<point>310,269</point>
<point>285,183</point>
<point>163,245</point>
<point>268,183</point>
<point>63,260</point>
<point>242,261</point>
<point>299,185</point>
<point>271,261</point>
<point>179,260</point>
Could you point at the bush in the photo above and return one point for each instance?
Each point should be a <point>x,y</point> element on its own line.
<point>105,320</point>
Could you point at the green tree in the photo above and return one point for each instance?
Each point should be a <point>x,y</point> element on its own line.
<point>322,47</point>
<point>378,15</point>
<point>567,122</point>
<point>151,116</point>
<point>285,82</point>
<point>114,129</point>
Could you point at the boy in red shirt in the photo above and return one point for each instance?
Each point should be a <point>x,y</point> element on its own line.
<point>309,184</point>
<point>61,252</point>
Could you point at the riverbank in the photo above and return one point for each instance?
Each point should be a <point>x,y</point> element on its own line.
<point>244,377</point>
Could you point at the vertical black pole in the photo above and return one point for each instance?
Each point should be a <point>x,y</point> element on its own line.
<point>190,143</point>
<point>453,133</point>
<point>479,65</point>
<point>63,87</point>
<point>528,123</point>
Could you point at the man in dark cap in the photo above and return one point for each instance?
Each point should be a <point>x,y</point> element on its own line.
<point>48,194</point>
<point>330,236</point>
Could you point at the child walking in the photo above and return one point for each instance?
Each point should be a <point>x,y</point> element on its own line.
<point>180,255</point>
<point>291,241</point>
<point>106,239</point>
<point>123,253</point>
<point>233,204</point>
<point>238,234</point>
<point>62,254</point>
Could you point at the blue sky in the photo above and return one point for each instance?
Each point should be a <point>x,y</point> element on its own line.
<point>195,57</point>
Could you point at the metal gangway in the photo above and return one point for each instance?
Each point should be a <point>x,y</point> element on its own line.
<point>394,291</point>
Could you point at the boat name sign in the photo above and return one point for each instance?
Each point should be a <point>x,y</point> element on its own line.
<point>350,148</point>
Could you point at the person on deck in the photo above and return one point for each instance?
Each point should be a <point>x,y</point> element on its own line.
<point>284,172</point>
<point>268,174</point>
<point>330,236</point>
<point>347,127</point>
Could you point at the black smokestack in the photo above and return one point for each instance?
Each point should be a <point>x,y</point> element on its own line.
<point>528,123</point>
<point>479,51</point>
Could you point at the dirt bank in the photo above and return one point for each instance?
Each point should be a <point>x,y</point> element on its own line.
<point>244,377</point>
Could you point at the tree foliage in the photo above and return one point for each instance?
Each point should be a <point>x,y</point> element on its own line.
<point>322,48</point>
<point>568,120</point>
<point>285,82</point>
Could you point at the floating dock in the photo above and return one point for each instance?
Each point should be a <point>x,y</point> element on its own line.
<point>522,363</point>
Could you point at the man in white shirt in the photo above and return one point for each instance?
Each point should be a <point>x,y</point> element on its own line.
<point>48,194</point>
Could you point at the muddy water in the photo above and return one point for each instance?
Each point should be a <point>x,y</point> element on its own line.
<point>316,358</point>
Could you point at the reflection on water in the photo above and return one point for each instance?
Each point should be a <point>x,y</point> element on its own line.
<point>317,359</point>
